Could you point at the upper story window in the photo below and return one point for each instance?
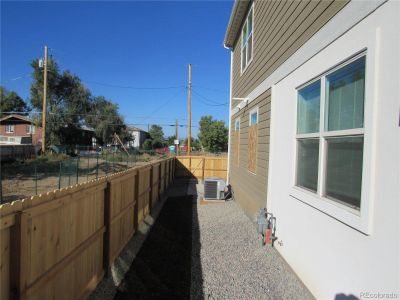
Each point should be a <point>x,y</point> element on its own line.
<point>237,124</point>
<point>30,129</point>
<point>9,128</point>
<point>330,134</point>
<point>247,41</point>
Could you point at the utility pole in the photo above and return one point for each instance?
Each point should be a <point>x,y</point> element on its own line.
<point>176,137</point>
<point>189,109</point>
<point>44,101</point>
<point>176,129</point>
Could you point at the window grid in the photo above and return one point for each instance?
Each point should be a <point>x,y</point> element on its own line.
<point>246,59</point>
<point>323,135</point>
<point>9,128</point>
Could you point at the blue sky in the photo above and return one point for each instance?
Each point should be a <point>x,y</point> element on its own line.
<point>126,44</point>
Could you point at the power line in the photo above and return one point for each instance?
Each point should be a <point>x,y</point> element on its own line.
<point>133,87</point>
<point>210,102</point>
<point>211,89</point>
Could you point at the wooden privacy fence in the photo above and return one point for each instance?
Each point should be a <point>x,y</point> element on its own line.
<point>201,167</point>
<point>60,245</point>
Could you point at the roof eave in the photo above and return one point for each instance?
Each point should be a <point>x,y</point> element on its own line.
<point>239,11</point>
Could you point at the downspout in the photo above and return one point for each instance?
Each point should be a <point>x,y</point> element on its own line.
<point>230,118</point>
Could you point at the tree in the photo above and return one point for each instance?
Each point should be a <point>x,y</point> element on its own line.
<point>68,100</point>
<point>194,143</point>
<point>10,101</point>
<point>213,134</point>
<point>71,105</point>
<point>170,140</point>
<point>157,135</point>
<point>148,144</point>
<point>106,121</point>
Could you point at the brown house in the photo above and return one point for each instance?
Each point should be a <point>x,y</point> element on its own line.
<point>16,129</point>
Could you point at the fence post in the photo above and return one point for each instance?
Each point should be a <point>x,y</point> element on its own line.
<point>77,170</point>
<point>87,170</point>
<point>97,166</point>
<point>151,189</point>
<point>1,188</point>
<point>107,223</point>
<point>136,206</point>
<point>69,172</point>
<point>204,166</point>
<point>106,164</point>
<point>59,176</point>
<point>35,179</point>
<point>113,162</point>
<point>159,181</point>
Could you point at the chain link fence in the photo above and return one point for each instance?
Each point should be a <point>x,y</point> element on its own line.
<point>21,179</point>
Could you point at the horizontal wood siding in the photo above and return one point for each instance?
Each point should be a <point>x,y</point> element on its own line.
<point>250,190</point>
<point>280,28</point>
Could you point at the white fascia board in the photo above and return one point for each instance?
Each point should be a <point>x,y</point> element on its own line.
<point>343,21</point>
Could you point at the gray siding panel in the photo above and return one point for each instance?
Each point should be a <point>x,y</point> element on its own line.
<point>250,189</point>
<point>280,28</point>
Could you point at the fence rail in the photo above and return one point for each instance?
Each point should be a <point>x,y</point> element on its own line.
<point>60,244</point>
<point>32,177</point>
<point>201,167</point>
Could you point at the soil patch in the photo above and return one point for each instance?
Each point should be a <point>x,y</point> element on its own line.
<point>162,268</point>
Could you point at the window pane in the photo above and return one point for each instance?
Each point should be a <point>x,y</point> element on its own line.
<point>307,163</point>
<point>308,108</point>
<point>253,118</point>
<point>249,49</point>
<point>244,34</point>
<point>243,58</point>
<point>344,169</point>
<point>237,125</point>
<point>250,21</point>
<point>345,96</point>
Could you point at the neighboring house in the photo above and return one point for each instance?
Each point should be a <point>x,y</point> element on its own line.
<point>314,136</point>
<point>138,137</point>
<point>16,130</point>
<point>82,136</point>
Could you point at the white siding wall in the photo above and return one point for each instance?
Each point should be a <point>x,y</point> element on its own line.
<point>331,251</point>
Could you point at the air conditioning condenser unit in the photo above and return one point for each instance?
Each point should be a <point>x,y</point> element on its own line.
<point>214,188</point>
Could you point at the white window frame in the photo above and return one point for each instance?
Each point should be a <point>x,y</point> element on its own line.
<point>237,120</point>
<point>357,219</point>
<point>31,129</point>
<point>323,134</point>
<point>10,128</point>
<point>245,45</point>
<point>252,111</point>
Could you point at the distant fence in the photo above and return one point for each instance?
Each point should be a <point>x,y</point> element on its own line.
<point>11,152</point>
<point>201,167</point>
<point>60,244</point>
<point>32,177</point>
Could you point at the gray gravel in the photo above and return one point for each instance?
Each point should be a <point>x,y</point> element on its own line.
<point>229,262</point>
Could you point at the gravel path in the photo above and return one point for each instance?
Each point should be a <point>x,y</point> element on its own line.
<point>231,263</point>
<point>199,250</point>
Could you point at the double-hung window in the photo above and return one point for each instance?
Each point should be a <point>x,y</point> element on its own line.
<point>247,41</point>
<point>330,134</point>
<point>9,128</point>
<point>30,129</point>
